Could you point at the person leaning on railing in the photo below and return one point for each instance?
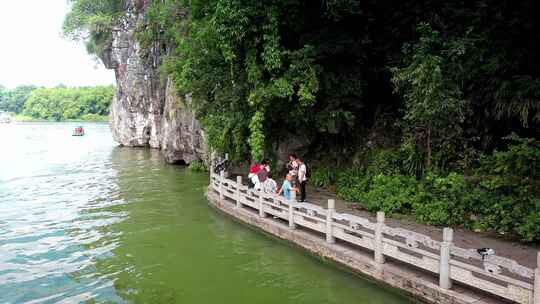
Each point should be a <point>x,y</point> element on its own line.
<point>269,185</point>
<point>258,173</point>
<point>287,187</point>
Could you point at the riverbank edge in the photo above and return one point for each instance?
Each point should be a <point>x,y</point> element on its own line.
<point>69,120</point>
<point>417,284</point>
<point>25,118</point>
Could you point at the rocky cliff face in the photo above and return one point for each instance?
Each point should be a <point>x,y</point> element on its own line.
<point>146,110</point>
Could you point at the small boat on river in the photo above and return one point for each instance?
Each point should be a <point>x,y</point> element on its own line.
<point>78,131</point>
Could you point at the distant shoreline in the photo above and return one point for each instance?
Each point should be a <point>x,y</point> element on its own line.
<point>24,118</point>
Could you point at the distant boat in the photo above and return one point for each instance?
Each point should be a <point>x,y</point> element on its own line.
<point>78,131</point>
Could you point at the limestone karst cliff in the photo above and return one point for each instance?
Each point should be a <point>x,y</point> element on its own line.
<point>146,110</point>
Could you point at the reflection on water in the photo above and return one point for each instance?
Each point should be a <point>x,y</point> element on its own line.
<point>82,219</point>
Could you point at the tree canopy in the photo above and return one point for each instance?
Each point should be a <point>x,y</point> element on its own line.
<point>13,101</point>
<point>332,71</point>
<point>59,103</point>
<point>92,21</point>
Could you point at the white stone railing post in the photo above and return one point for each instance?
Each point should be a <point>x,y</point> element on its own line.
<point>211,162</point>
<point>226,158</point>
<point>261,205</point>
<point>238,193</point>
<point>536,298</point>
<point>292,202</point>
<point>378,254</point>
<point>444,267</point>
<point>221,179</point>
<point>330,221</point>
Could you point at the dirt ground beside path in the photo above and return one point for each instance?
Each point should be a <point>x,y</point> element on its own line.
<point>523,254</point>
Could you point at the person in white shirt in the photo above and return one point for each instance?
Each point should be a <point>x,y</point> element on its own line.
<point>269,185</point>
<point>302,178</point>
<point>262,174</point>
<point>253,176</point>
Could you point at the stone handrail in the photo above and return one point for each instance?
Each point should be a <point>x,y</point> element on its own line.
<point>496,275</point>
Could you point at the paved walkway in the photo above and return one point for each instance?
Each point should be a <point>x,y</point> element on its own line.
<point>523,254</point>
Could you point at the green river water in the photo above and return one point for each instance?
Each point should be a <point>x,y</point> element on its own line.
<point>83,220</point>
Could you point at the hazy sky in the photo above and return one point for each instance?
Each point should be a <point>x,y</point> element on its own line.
<point>32,50</point>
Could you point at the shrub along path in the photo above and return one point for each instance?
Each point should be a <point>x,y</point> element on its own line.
<point>523,254</point>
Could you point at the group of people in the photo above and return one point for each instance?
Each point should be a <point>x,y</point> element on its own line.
<point>260,178</point>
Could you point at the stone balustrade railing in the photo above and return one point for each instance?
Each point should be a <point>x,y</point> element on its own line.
<point>496,275</point>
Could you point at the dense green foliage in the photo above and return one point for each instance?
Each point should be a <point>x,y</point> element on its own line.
<point>13,100</point>
<point>92,21</point>
<point>414,98</point>
<point>243,80</point>
<point>502,194</point>
<point>60,103</point>
<point>463,74</point>
<point>452,74</point>
<point>434,102</point>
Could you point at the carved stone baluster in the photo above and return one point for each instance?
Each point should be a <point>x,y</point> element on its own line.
<point>329,221</point>
<point>261,205</point>
<point>238,193</point>
<point>221,179</point>
<point>537,280</point>
<point>292,202</point>
<point>378,240</point>
<point>226,158</point>
<point>444,264</point>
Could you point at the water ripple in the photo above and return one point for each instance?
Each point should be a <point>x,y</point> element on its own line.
<point>48,230</point>
<point>84,221</point>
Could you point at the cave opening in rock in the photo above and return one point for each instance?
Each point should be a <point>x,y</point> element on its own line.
<point>180,162</point>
